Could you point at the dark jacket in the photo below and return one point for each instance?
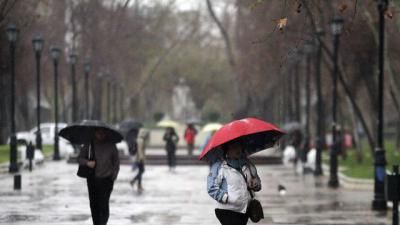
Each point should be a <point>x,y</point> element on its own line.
<point>106,157</point>
<point>171,138</point>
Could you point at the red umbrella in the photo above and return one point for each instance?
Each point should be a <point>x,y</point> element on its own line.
<point>255,134</point>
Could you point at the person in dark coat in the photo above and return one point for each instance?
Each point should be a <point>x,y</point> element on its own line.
<point>100,185</point>
<point>171,139</point>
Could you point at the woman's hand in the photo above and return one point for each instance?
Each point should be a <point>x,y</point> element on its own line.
<point>91,164</point>
<point>255,184</point>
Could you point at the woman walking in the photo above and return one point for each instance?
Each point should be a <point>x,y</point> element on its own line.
<point>231,183</point>
<point>171,139</point>
<point>105,162</point>
<point>142,139</point>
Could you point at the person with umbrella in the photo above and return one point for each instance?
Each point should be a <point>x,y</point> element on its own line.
<point>233,179</point>
<point>99,155</point>
<point>142,140</point>
<point>171,139</point>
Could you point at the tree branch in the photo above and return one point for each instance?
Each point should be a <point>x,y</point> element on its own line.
<point>224,33</point>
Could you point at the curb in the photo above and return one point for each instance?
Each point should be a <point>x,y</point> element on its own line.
<point>352,183</point>
<point>356,183</point>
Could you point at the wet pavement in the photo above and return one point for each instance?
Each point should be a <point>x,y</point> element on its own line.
<point>53,194</point>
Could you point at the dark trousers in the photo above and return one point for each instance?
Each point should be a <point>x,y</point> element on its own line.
<point>171,158</point>
<point>229,217</point>
<point>138,176</point>
<point>190,148</point>
<point>99,196</point>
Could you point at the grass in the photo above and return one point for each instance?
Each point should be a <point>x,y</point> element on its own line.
<point>364,170</point>
<point>5,153</point>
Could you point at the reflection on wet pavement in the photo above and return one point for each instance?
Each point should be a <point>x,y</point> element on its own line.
<point>53,194</point>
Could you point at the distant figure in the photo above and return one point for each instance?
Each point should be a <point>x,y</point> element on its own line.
<point>106,168</point>
<point>171,139</point>
<point>142,141</point>
<point>190,134</point>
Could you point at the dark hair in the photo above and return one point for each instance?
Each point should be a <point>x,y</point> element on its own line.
<point>226,146</point>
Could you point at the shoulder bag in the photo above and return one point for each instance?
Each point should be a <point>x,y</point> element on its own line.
<point>83,170</point>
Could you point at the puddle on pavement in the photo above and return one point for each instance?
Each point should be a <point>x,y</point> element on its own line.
<point>17,218</point>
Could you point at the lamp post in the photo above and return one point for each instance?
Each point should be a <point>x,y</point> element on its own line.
<point>72,59</point>
<point>297,86</point>
<point>87,68</point>
<point>12,34</point>
<point>308,50</point>
<point>55,54</point>
<point>379,201</point>
<point>320,105</point>
<point>336,27</point>
<point>37,47</point>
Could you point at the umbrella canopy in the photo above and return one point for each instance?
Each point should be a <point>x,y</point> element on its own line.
<point>168,123</point>
<point>255,135</point>
<point>84,132</point>
<point>130,124</point>
<point>211,127</point>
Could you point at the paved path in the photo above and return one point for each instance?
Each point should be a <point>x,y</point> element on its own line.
<point>52,194</point>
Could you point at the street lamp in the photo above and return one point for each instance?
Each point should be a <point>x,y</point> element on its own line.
<point>379,201</point>
<point>72,59</point>
<point>87,68</point>
<point>55,54</point>
<point>37,47</point>
<point>308,50</point>
<point>336,28</point>
<point>320,105</point>
<point>12,34</point>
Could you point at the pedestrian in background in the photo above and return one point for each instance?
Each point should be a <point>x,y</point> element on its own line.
<point>231,182</point>
<point>105,162</point>
<point>171,139</point>
<point>141,141</point>
<point>190,134</point>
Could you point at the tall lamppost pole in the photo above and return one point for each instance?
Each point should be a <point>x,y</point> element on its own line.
<point>297,86</point>
<point>72,59</point>
<point>336,27</point>
<point>55,54</point>
<point>320,105</point>
<point>37,47</point>
<point>379,201</point>
<point>87,68</point>
<point>12,34</point>
<point>308,49</point>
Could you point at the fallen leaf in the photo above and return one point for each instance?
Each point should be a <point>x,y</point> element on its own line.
<point>389,14</point>
<point>281,23</point>
<point>342,7</point>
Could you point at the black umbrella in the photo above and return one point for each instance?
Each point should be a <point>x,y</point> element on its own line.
<point>84,132</point>
<point>130,124</point>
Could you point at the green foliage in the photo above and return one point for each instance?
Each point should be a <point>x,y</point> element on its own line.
<point>364,170</point>
<point>5,153</point>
